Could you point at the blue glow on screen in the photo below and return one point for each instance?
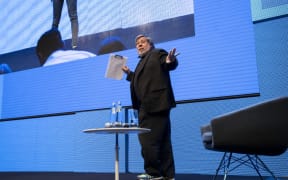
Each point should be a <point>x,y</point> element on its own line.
<point>24,22</point>
<point>219,61</point>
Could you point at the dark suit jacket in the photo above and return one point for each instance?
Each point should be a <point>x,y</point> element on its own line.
<point>150,83</point>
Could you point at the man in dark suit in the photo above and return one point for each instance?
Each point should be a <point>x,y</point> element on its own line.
<point>152,95</point>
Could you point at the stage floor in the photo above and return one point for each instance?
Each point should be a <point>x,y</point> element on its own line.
<point>107,176</point>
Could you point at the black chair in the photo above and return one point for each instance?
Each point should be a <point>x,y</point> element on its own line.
<point>246,134</point>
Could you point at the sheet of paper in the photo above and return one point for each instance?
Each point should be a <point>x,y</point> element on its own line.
<point>114,66</point>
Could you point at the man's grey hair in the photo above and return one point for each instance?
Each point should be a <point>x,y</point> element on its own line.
<point>149,39</point>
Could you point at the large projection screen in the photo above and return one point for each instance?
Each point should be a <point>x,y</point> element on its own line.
<point>217,57</point>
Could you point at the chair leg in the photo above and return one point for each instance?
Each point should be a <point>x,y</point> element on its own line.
<point>224,163</point>
<point>255,165</point>
<point>228,165</point>
<point>266,167</point>
<point>252,161</point>
<point>219,166</point>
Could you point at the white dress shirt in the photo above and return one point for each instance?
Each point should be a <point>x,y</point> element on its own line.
<point>62,56</point>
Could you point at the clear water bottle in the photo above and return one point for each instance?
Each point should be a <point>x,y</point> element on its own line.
<point>113,114</point>
<point>119,116</point>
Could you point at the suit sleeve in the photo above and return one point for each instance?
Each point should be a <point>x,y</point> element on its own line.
<point>130,76</point>
<point>167,66</point>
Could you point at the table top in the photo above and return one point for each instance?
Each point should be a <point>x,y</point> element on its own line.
<point>117,130</point>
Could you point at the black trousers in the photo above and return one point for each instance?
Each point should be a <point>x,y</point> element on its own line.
<point>156,146</point>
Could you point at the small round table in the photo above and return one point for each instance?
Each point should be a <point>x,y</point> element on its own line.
<point>117,131</point>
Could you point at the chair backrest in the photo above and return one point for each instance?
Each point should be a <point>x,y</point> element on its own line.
<point>258,129</point>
